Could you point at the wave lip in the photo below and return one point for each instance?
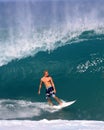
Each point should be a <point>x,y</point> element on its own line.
<point>47,40</point>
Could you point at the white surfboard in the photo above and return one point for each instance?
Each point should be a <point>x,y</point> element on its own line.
<point>64,104</point>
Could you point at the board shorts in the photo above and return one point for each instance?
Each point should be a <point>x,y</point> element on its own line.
<point>50,92</point>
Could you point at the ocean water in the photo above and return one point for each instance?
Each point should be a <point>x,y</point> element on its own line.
<point>65,37</point>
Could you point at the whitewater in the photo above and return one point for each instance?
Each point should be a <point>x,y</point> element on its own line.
<point>23,110</point>
<point>53,124</point>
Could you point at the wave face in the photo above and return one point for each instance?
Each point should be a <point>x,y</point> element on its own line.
<point>69,43</point>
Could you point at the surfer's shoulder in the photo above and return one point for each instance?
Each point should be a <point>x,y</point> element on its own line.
<point>50,77</point>
<point>42,79</point>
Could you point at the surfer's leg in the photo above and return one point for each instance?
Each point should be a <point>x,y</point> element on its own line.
<point>48,97</point>
<point>58,100</point>
<point>49,101</point>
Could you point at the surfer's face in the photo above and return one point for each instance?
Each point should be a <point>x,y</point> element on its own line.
<point>46,74</point>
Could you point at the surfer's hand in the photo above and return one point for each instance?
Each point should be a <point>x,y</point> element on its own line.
<point>54,90</point>
<point>39,92</point>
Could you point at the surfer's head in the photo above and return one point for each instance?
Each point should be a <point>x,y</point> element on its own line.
<point>46,74</point>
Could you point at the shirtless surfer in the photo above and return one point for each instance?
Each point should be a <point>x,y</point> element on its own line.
<point>50,88</point>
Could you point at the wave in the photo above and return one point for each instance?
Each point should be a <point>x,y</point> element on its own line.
<point>77,70</point>
<point>72,51</point>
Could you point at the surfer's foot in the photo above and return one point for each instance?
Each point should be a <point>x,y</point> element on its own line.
<point>60,103</point>
<point>58,100</point>
<point>50,104</point>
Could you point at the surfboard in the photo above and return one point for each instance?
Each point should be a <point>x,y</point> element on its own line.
<point>64,104</point>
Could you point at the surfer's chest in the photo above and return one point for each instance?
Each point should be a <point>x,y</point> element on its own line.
<point>47,80</point>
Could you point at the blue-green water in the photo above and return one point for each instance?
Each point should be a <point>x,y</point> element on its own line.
<point>70,47</point>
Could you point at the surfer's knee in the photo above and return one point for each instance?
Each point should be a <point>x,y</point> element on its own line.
<point>53,95</point>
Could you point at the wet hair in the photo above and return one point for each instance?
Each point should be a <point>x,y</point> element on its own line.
<point>45,71</point>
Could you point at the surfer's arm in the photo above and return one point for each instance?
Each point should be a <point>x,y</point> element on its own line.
<point>53,85</point>
<point>40,86</point>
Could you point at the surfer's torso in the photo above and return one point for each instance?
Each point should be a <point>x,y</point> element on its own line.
<point>47,81</point>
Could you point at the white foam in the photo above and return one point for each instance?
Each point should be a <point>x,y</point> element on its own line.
<point>13,109</point>
<point>94,62</point>
<point>50,125</point>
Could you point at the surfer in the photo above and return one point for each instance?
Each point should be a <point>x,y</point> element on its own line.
<point>50,88</point>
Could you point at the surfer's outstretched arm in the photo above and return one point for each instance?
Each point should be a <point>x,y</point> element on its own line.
<point>40,86</point>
